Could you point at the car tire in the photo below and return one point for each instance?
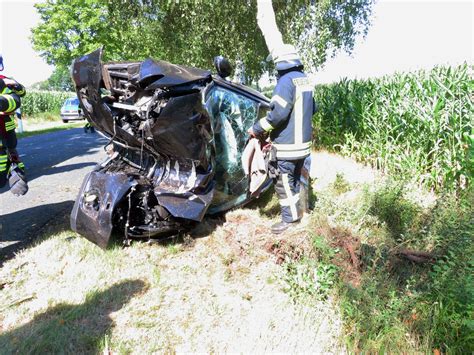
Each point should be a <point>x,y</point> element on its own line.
<point>65,121</point>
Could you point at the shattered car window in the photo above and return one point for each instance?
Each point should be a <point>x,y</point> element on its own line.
<point>232,115</point>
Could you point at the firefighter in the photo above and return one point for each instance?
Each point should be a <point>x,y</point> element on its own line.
<point>88,127</point>
<point>289,125</point>
<point>11,168</point>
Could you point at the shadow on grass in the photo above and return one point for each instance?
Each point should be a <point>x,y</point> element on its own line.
<point>72,329</point>
<point>21,228</point>
<point>267,205</point>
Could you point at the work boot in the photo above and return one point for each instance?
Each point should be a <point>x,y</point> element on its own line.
<point>280,227</point>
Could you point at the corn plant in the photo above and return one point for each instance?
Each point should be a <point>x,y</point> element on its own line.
<point>418,124</point>
<point>35,102</point>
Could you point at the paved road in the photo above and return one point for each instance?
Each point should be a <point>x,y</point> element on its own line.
<point>56,165</point>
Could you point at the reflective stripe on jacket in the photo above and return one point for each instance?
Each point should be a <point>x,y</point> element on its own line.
<point>9,102</point>
<point>290,119</point>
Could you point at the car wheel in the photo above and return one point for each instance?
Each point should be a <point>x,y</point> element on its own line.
<point>65,121</point>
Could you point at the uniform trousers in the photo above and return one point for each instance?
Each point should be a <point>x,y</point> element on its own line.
<point>287,187</point>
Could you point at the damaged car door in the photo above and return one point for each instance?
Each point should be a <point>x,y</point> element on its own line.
<point>176,136</point>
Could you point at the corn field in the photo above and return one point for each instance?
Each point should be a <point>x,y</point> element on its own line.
<point>36,102</point>
<point>419,125</point>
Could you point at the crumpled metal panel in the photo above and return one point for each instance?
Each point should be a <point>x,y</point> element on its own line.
<point>92,214</point>
<point>183,129</point>
<point>87,77</point>
<point>159,74</point>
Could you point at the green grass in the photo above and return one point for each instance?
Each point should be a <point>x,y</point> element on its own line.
<point>391,304</point>
<point>60,127</point>
<point>419,129</point>
<point>45,122</point>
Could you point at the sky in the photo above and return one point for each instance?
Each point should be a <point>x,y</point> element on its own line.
<point>404,35</point>
<point>408,35</point>
<point>21,62</point>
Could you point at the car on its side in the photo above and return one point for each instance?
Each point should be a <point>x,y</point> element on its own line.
<point>176,138</point>
<point>71,111</point>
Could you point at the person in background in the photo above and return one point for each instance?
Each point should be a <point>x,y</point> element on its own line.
<point>11,167</point>
<point>289,125</point>
<point>88,127</point>
<point>19,120</point>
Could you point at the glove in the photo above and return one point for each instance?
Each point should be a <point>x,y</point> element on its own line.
<point>272,163</point>
<point>17,181</point>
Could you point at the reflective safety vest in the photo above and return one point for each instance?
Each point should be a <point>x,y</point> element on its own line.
<point>9,102</point>
<point>290,118</point>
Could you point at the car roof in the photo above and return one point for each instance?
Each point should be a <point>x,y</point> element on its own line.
<point>245,90</point>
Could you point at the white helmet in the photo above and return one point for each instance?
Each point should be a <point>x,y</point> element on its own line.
<point>285,57</point>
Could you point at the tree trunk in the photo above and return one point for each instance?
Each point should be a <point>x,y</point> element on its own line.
<point>267,23</point>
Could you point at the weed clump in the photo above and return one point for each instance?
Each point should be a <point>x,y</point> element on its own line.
<point>390,207</point>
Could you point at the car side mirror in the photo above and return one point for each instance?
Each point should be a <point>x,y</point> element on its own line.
<point>223,66</point>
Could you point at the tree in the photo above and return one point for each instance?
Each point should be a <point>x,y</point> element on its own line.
<point>59,80</point>
<point>193,32</point>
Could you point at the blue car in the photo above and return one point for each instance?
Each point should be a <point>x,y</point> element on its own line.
<point>71,110</point>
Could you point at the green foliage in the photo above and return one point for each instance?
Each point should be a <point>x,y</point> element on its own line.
<point>320,28</point>
<point>393,209</point>
<point>417,125</point>
<point>308,278</point>
<point>193,32</point>
<point>312,277</point>
<point>400,306</point>
<point>389,303</point>
<point>451,292</point>
<point>35,102</point>
<point>60,79</point>
<point>340,184</point>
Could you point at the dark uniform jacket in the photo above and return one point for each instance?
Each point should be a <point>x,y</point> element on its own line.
<point>9,97</point>
<point>290,118</point>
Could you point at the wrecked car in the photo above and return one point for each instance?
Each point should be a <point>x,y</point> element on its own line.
<point>176,135</point>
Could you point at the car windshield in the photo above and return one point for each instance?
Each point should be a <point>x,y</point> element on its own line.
<point>72,102</point>
<point>232,115</point>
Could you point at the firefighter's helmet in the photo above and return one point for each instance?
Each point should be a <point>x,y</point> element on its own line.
<point>285,57</point>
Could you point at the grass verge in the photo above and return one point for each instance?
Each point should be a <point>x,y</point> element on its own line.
<point>219,290</point>
<point>402,269</point>
<point>59,127</point>
<point>45,122</point>
<point>398,261</point>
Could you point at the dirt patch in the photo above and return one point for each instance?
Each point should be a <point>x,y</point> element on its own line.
<point>289,246</point>
<point>347,259</point>
<point>296,245</point>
